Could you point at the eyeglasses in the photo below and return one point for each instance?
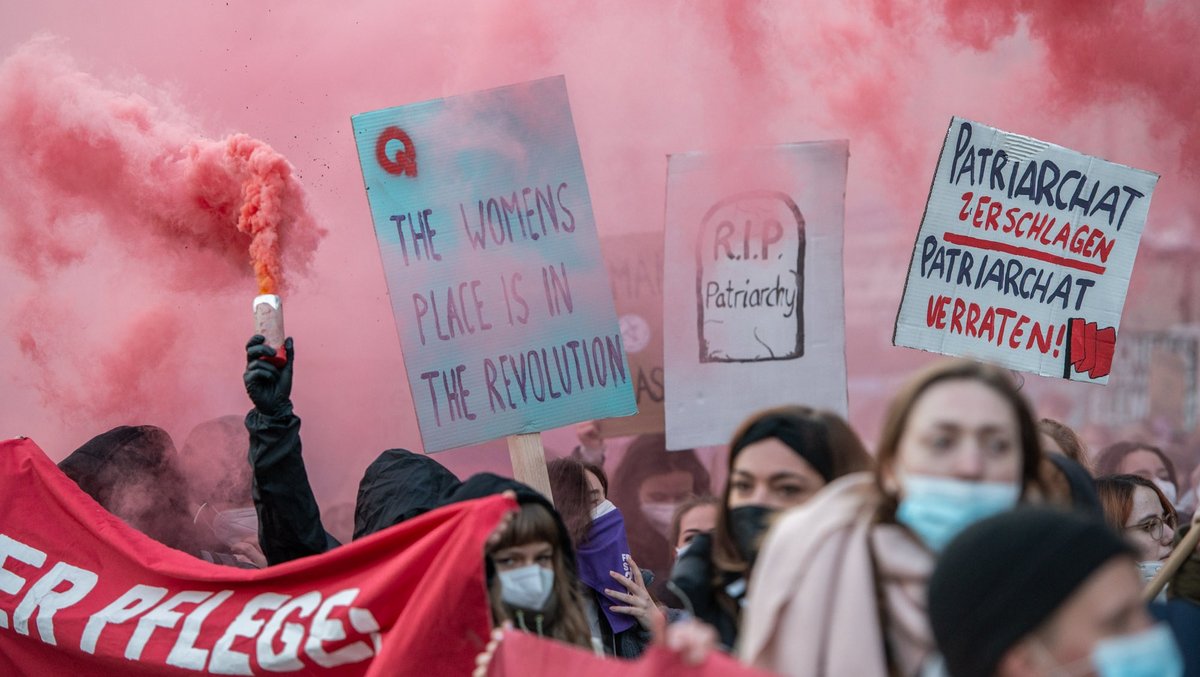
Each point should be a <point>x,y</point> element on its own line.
<point>1154,526</point>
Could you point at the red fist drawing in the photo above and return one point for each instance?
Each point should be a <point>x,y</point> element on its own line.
<point>1091,349</point>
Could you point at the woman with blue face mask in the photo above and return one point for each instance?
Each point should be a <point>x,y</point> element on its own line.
<point>839,585</point>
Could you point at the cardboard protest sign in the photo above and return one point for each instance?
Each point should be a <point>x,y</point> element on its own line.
<point>635,268</point>
<point>1024,254</point>
<point>753,304</point>
<point>83,593</point>
<point>493,266</point>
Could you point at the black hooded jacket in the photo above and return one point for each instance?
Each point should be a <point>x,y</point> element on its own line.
<point>398,486</point>
<point>694,580</point>
<point>131,472</point>
<point>289,521</point>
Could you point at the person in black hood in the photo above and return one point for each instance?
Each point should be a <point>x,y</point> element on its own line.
<point>398,486</point>
<point>131,471</point>
<point>532,572</point>
<point>778,459</point>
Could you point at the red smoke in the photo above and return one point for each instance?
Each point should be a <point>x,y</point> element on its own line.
<point>114,179</point>
<point>79,154</point>
<point>1114,78</point>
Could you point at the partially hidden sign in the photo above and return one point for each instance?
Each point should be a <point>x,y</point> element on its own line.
<point>493,265</point>
<point>1024,254</point>
<point>753,299</point>
<point>635,268</point>
<point>83,593</point>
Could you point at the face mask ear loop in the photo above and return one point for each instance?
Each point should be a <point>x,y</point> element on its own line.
<point>198,511</point>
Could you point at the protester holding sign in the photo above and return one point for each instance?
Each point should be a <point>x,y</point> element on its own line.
<point>778,459</point>
<point>839,586</point>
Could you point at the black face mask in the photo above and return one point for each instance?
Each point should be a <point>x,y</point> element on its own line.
<point>748,524</point>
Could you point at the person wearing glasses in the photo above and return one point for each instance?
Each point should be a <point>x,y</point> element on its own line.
<point>1137,508</point>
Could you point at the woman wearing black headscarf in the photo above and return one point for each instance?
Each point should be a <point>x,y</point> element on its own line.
<point>778,459</point>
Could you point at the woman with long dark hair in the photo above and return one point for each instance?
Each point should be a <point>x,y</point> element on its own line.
<point>778,459</point>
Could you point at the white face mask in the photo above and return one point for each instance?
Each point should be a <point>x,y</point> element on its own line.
<point>604,508</point>
<point>234,526</point>
<point>528,587</point>
<point>1167,488</point>
<point>659,516</point>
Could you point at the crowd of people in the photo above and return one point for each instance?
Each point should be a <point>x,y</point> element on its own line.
<point>975,540</point>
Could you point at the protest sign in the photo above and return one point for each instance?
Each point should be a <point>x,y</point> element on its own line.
<point>1024,254</point>
<point>493,265</point>
<point>635,268</point>
<point>83,593</point>
<point>753,306</point>
<point>522,654</point>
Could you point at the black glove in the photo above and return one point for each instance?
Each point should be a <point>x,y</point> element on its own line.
<point>269,387</point>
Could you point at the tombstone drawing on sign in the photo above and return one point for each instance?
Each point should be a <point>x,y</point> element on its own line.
<point>750,279</point>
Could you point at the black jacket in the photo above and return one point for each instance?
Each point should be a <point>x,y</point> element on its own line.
<point>696,581</point>
<point>398,486</point>
<point>289,522</point>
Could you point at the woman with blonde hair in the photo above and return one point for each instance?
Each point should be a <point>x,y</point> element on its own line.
<point>839,586</point>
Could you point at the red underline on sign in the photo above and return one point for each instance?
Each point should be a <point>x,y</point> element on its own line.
<point>968,241</point>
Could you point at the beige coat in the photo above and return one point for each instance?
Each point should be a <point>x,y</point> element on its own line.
<point>812,608</point>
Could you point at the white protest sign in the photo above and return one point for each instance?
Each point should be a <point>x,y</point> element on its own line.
<point>753,303</point>
<point>1024,254</point>
<point>493,265</point>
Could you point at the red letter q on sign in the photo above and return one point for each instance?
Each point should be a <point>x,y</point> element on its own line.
<point>405,161</point>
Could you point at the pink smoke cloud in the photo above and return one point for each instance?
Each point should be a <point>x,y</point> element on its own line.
<point>645,80</point>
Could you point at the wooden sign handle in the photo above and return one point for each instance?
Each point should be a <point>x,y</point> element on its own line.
<point>529,462</point>
<point>1187,545</point>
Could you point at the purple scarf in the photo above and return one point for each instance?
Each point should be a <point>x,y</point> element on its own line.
<point>607,549</point>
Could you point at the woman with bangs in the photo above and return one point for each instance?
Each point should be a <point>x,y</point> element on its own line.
<point>535,585</point>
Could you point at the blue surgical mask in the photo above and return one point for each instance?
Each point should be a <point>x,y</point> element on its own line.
<point>1150,653</point>
<point>528,587</point>
<point>938,508</point>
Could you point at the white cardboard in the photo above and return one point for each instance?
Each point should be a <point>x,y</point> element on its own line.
<point>1038,282</point>
<point>753,298</point>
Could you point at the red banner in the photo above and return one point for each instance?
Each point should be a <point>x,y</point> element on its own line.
<point>524,655</point>
<point>82,593</point>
